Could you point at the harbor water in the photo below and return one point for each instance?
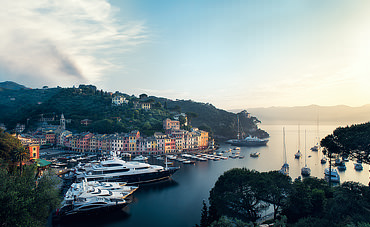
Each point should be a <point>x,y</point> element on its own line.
<point>179,202</point>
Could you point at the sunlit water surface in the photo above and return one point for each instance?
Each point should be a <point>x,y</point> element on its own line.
<point>179,202</point>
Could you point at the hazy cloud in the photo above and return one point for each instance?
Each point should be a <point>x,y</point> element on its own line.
<point>63,41</point>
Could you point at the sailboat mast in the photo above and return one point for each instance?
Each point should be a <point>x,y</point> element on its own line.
<point>299,138</point>
<point>305,149</point>
<point>284,147</point>
<point>238,135</point>
<point>317,133</point>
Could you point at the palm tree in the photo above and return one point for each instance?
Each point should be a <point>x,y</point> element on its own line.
<point>20,155</point>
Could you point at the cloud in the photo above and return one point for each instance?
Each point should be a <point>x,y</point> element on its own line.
<point>63,42</point>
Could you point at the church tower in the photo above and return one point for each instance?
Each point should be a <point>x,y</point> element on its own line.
<point>62,122</point>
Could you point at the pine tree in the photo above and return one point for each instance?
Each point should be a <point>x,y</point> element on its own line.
<point>204,218</point>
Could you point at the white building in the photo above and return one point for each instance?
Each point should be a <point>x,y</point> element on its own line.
<point>119,100</point>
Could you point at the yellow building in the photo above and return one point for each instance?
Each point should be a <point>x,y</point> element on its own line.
<point>203,139</point>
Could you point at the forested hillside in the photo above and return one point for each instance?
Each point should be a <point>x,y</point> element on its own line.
<point>26,106</point>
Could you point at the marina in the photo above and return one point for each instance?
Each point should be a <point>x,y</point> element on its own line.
<point>179,201</point>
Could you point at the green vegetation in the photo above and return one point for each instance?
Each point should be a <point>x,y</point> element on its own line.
<point>222,124</point>
<point>244,194</point>
<point>26,106</point>
<point>25,199</point>
<point>12,152</point>
<point>351,141</point>
<point>240,196</point>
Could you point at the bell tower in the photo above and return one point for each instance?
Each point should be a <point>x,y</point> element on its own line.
<point>62,122</point>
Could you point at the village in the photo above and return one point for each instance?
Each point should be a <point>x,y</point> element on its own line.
<point>173,140</point>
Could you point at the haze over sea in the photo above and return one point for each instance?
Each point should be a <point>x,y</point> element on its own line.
<point>179,202</point>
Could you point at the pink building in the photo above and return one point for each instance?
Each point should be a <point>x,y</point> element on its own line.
<point>169,124</point>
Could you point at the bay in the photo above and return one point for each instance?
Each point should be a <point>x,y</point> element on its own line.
<point>179,202</point>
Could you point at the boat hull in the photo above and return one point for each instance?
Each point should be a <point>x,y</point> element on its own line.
<point>244,143</point>
<point>139,178</point>
<point>77,209</point>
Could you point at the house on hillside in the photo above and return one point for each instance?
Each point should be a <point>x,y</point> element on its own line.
<point>86,122</point>
<point>119,100</point>
<point>169,124</point>
<point>145,105</point>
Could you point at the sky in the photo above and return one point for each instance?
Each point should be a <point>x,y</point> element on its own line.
<point>232,54</point>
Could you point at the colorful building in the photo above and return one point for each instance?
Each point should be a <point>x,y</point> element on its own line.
<point>34,150</point>
<point>169,124</point>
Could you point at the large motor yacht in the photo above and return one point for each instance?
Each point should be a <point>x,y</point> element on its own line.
<point>122,171</point>
<point>85,197</point>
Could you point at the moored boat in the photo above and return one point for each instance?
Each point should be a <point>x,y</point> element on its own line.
<point>298,154</point>
<point>332,175</point>
<point>122,171</point>
<point>305,171</point>
<point>140,158</point>
<point>86,197</point>
<point>248,142</point>
<point>323,160</point>
<point>285,168</point>
<point>358,166</point>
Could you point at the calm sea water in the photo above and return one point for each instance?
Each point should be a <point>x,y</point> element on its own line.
<point>179,202</point>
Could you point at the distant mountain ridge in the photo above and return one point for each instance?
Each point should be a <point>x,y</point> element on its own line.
<point>310,114</point>
<point>10,85</point>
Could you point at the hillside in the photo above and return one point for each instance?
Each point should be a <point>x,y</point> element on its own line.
<point>309,114</point>
<point>10,85</point>
<point>87,102</point>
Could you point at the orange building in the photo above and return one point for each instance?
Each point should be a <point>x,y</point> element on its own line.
<point>203,139</point>
<point>34,150</point>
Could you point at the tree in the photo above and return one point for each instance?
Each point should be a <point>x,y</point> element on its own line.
<point>275,187</point>
<point>190,116</point>
<point>331,147</point>
<point>307,198</point>
<point>352,141</point>
<point>225,221</point>
<point>182,120</point>
<point>26,201</point>
<point>236,194</point>
<point>204,221</point>
<point>11,150</point>
<point>351,202</point>
<point>20,155</point>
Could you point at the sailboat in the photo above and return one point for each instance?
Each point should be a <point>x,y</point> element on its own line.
<point>298,154</point>
<point>305,171</point>
<point>317,146</point>
<point>285,168</point>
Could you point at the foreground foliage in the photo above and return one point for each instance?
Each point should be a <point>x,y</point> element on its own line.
<point>351,141</point>
<point>240,196</point>
<point>244,194</point>
<point>26,201</point>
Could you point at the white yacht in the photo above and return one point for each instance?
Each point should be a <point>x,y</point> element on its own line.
<point>92,196</point>
<point>86,189</point>
<point>140,158</point>
<point>118,170</point>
